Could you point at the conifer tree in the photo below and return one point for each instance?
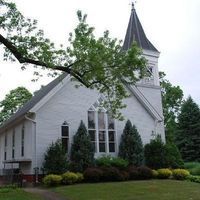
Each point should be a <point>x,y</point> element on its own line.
<point>82,152</point>
<point>188,134</point>
<point>55,159</point>
<point>131,148</point>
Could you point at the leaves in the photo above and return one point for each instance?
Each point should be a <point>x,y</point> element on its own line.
<point>97,63</point>
<point>14,100</point>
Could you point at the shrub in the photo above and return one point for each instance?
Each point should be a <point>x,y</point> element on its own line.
<point>131,147</point>
<point>154,153</point>
<point>154,173</point>
<point>172,156</point>
<point>108,161</point>
<point>52,180</point>
<point>93,174</point>
<point>55,159</point>
<point>164,173</point>
<point>144,173</point>
<point>133,173</point>
<point>124,175</point>
<point>82,152</point>
<point>111,174</point>
<point>180,174</point>
<point>190,165</point>
<point>80,177</point>
<point>69,178</point>
<point>195,179</point>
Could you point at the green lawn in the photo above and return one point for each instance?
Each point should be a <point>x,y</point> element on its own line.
<point>17,194</point>
<point>133,190</point>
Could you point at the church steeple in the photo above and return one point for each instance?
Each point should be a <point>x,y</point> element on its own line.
<point>136,33</point>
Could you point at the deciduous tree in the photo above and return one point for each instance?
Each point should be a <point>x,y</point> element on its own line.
<point>97,63</point>
<point>12,102</point>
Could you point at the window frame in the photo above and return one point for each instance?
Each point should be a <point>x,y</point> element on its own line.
<point>65,124</point>
<point>97,109</point>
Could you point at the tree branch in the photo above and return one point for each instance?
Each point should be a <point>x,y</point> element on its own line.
<point>13,49</point>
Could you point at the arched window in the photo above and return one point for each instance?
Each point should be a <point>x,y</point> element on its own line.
<point>101,128</point>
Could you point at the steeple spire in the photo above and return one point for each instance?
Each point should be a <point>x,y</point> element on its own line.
<point>136,33</point>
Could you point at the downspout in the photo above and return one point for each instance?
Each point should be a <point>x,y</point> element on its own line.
<point>35,147</point>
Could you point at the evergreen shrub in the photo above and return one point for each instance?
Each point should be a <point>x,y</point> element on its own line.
<point>108,161</point>
<point>131,147</point>
<point>82,152</point>
<point>111,174</point>
<point>133,173</point>
<point>55,159</point>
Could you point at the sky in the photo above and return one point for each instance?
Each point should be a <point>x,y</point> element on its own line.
<point>171,25</point>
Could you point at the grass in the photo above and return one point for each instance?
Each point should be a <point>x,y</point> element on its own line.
<point>17,194</point>
<point>132,190</point>
<point>193,167</point>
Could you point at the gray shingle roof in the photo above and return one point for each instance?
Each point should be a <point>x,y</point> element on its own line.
<point>34,100</point>
<point>136,33</point>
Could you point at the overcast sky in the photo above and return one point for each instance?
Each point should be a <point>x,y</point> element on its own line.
<point>171,25</point>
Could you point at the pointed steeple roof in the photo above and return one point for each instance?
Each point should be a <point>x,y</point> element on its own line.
<point>136,33</point>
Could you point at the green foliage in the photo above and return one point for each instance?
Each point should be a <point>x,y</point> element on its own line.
<point>188,137</point>
<point>144,173</point>
<point>82,152</point>
<point>93,174</point>
<point>193,167</point>
<point>108,161</point>
<point>172,97</point>
<point>131,148</point>
<point>172,156</point>
<point>14,100</point>
<point>164,173</point>
<point>154,173</point>
<point>195,179</point>
<point>80,177</point>
<point>97,63</point>
<point>55,159</point>
<point>160,155</point>
<point>52,180</point>
<point>69,178</point>
<point>154,153</point>
<point>180,174</point>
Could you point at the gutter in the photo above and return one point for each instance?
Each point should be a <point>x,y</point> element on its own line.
<point>35,147</point>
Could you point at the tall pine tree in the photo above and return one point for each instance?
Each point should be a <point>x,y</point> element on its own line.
<point>82,152</point>
<point>188,134</point>
<point>131,148</point>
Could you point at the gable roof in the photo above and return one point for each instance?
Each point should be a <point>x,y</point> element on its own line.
<point>136,33</point>
<point>34,100</point>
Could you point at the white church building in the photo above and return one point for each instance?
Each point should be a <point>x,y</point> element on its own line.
<point>57,109</point>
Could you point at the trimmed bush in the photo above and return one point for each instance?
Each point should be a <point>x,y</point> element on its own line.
<point>144,173</point>
<point>80,177</point>
<point>93,174</point>
<point>193,167</point>
<point>164,173</point>
<point>111,174</point>
<point>108,161</point>
<point>69,178</point>
<point>154,173</point>
<point>133,173</point>
<point>180,174</point>
<point>124,175</point>
<point>52,180</point>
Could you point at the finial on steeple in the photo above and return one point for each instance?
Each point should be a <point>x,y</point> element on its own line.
<point>133,4</point>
